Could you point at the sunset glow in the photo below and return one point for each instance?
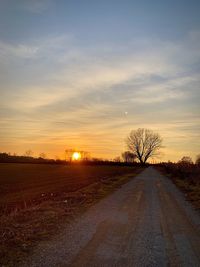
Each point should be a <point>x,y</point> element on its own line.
<point>83,74</point>
<point>76,156</point>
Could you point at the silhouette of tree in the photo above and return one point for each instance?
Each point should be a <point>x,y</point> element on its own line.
<point>186,160</point>
<point>117,159</point>
<point>197,160</point>
<point>28,153</point>
<point>144,143</point>
<point>69,154</point>
<point>42,155</point>
<point>127,156</point>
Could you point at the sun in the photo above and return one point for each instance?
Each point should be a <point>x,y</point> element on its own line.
<point>76,156</point>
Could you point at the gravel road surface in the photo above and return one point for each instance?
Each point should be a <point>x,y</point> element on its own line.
<point>146,222</point>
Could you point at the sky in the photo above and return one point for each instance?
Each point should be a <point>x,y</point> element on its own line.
<point>81,74</point>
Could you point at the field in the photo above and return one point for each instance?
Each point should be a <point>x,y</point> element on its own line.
<point>37,199</point>
<point>28,184</point>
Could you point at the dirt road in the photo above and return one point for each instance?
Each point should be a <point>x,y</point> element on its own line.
<point>146,222</point>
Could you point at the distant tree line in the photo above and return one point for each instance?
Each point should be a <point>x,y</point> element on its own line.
<point>8,158</point>
<point>142,144</point>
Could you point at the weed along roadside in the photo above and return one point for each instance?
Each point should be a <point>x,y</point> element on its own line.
<point>186,177</point>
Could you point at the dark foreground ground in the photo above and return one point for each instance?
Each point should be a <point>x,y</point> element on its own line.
<point>146,222</point>
<point>37,201</point>
<point>23,185</point>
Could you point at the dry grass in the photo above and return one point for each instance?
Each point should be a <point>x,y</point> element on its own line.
<point>187,178</point>
<point>22,229</point>
<point>192,192</point>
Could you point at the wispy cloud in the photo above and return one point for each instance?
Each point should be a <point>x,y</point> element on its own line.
<point>22,51</point>
<point>36,6</point>
<point>67,90</point>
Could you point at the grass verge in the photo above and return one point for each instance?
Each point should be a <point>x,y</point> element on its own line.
<point>190,188</point>
<point>191,192</point>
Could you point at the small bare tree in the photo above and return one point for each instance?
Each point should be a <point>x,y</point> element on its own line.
<point>117,159</point>
<point>42,155</point>
<point>144,143</point>
<point>186,160</point>
<point>28,153</point>
<point>197,160</point>
<point>128,157</point>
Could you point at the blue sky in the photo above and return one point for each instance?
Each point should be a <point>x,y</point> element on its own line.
<point>83,74</point>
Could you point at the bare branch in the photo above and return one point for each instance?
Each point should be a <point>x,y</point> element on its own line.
<point>144,143</point>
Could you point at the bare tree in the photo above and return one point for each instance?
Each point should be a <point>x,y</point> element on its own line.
<point>197,160</point>
<point>42,155</point>
<point>144,143</point>
<point>117,159</point>
<point>127,156</point>
<point>69,154</point>
<point>28,153</point>
<point>186,160</point>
